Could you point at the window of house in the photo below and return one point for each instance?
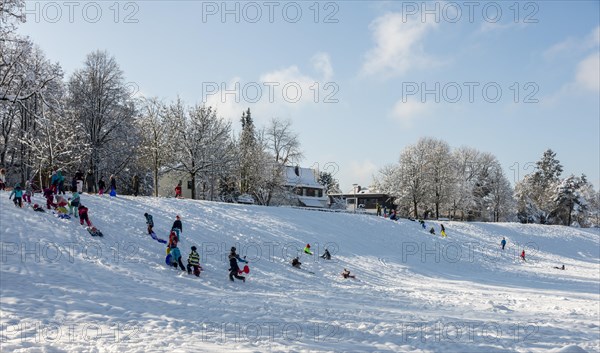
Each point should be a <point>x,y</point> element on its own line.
<point>189,184</point>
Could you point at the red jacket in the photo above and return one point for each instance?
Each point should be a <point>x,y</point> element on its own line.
<point>83,210</point>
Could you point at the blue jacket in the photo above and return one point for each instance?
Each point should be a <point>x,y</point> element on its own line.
<point>17,192</point>
<point>175,254</point>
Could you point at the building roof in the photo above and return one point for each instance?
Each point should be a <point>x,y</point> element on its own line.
<point>301,177</point>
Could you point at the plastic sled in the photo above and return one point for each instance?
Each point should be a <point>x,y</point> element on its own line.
<point>168,260</point>
<point>245,270</point>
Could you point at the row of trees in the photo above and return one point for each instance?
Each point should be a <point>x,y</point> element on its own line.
<point>91,122</point>
<point>433,180</point>
<point>543,197</point>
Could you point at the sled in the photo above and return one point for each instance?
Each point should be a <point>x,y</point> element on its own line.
<point>113,193</point>
<point>168,260</point>
<point>162,241</point>
<point>245,270</point>
<point>94,232</point>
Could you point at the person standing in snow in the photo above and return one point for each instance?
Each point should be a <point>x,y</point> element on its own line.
<point>194,262</point>
<point>177,227</point>
<point>101,186</point>
<point>28,192</point>
<point>74,204</point>
<point>83,215</point>
<point>233,265</point>
<point>61,182</point>
<point>307,249</point>
<point>176,258</point>
<point>113,185</point>
<point>18,192</point>
<point>523,255</point>
<point>178,190</point>
<point>79,181</point>
<point>378,207</point>
<point>49,195</point>
<point>443,231</point>
<point>149,222</point>
<point>2,179</point>
<point>503,243</point>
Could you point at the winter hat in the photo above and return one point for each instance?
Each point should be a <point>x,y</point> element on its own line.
<point>233,248</point>
<point>308,246</point>
<point>145,214</point>
<point>177,217</point>
<point>35,205</point>
<point>193,248</point>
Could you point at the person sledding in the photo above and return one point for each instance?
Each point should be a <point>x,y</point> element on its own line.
<point>194,262</point>
<point>177,227</point>
<point>234,269</point>
<point>393,215</point>
<point>38,208</point>
<point>149,223</point>
<point>61,207</point>
<point>422,222</point>
<point>560,268</point>
<point>346,274</point>
<point>176,257</point>
<point>18,192</point>
<point>307,249</point>
<point>432,231</point>
<point>326,255</point>
<point>296,262</point>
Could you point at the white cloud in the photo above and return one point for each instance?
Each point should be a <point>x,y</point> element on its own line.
<point>588,73</point>
<point>274,92</point>
<point>572,45</point>
<point>362,172</point>
<point>409,111</point>
<point>398,45</point>
<point>322,63</point>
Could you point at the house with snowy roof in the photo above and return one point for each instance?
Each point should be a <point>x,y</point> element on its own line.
<point>364,199</point>
<point>301,188</point>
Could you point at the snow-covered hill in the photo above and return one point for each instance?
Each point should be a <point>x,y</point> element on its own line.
<point>65,291</point>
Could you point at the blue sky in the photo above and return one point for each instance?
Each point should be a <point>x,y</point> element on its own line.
<point>370,62</point>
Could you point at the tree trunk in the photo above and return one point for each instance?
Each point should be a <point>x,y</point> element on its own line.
<point>193,177</point>
<point>415,211</point>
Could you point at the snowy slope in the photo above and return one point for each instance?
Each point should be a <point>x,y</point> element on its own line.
<point>64,291</point>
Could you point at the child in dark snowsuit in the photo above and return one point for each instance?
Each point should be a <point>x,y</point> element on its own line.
<point>326,255</point>
<point>346,274</point>
<point>18,192</point>
<point>503,243</point>
<point>233,265</point>
<point>432,231</point>
<point>83,215</point>
<point>177,227</point>
<point>149,222</point>
<point>296,262</point>
<point>194,262</point>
